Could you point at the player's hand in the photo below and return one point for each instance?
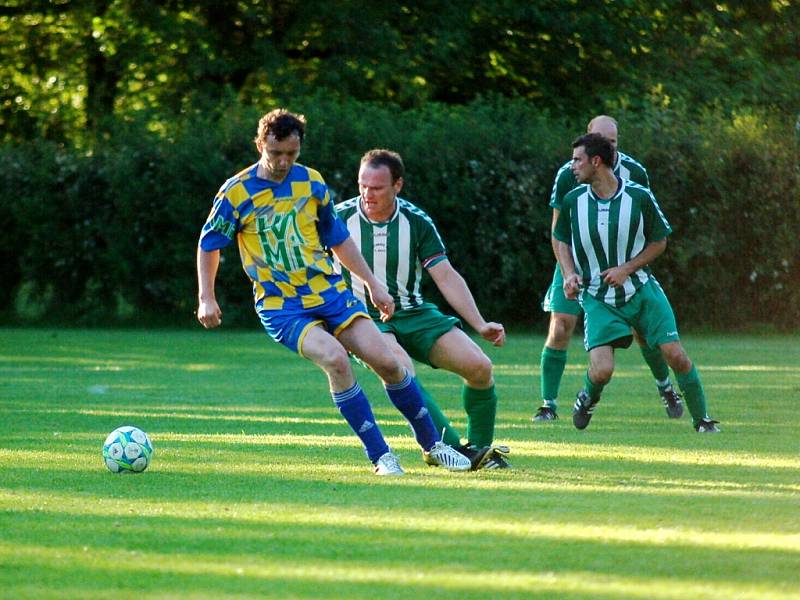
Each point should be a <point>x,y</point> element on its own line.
<point>494,333</point>
<point>615,276</point>
<point>572,285</point>
<point>383,301</point>
<point>209,314</point>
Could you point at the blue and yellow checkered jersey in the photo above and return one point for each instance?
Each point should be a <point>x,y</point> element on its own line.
<point>283,230</point>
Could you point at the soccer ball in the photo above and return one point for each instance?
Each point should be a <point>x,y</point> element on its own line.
<point>127,450</point>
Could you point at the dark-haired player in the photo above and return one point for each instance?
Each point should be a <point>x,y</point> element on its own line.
<point>564,312</point>
<point>608,233</point>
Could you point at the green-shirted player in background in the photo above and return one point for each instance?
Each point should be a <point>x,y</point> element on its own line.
<point>608,232</point>
<point>398,240</point>
<point>564,312</point>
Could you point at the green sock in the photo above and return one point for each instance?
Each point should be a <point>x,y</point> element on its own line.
<point>450,436</point>
<point>593,389</point>
<point>481,407</point>
<point>552,364</point>
<point>692,389</point>
<point>658,366</point>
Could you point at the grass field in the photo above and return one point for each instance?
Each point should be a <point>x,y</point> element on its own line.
<point>258,489</point>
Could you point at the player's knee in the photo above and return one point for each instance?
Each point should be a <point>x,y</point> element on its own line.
<point>480,373</point>
<point>560,331</point>
<point>601,373</point>
<point>389,368</point>
<point>336,363</point>
<point>678,362</point>
<point>675,356</point>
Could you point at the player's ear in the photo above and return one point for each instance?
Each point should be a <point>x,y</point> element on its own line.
<point>398,185</point>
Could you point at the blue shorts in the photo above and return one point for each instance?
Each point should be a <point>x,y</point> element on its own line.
<point>289,326</point>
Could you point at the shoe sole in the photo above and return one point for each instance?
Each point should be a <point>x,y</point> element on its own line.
<point>454,468</point>
<point>675,412</point>
<point>581,425</point>
<point>581,420</point>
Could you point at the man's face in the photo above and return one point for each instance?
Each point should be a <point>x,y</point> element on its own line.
<point>582,166</point>
<point>377,190</point>
<point>279,156</point>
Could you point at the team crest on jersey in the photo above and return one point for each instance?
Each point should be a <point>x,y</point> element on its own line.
<point>281,240</point>
<point>380,239</point>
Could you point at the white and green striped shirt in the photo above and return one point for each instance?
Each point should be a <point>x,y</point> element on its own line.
<point>396,250</point>
<point>606,233</point>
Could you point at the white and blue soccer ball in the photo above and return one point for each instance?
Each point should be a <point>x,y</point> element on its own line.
<point>127,450</point>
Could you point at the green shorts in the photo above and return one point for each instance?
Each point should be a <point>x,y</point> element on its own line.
<point>418,328</point>
<point>556,301</point>
<point>648,312</point>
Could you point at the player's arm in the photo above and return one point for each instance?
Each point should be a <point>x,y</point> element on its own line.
<point>572,281</point>
<point>458,295</point>
<point>348,254</point>
<point>562,236</point>
<point>617,276</point>
<point>208,311</point>
<point>553,240</point>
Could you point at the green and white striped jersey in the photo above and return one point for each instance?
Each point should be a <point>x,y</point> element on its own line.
<point>626,167</point>
<point>606,233</point>
<point>396,250</point>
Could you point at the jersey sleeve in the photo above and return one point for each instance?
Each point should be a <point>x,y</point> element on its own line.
<point>656,226</point>
<point>430,246</point>
<point>221,225</point>
<point>640,176</point>
<point>332,230</point>
<point>563,184</point>
<point>563,229</point>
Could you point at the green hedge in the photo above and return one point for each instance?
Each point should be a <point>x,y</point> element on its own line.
<point>109,236</point>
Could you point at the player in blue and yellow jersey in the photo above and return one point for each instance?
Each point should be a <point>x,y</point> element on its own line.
<point>399,241</point>
<point>608,232</point>
<point>282,218</point>
<point>564,312</point>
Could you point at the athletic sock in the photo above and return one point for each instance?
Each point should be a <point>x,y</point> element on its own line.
<point>481,408</point>
<point>355,409</point>
<point>593,389</point>
<point>450,435</point>
<point>552,367</point>
<point>407,399</point>
<point>658,366</point>
<point>693,392</point>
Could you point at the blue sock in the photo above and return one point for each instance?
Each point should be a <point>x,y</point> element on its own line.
<point>408,400</point>
<point>355,409</point>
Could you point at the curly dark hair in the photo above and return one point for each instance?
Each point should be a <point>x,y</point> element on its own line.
<point>280,123</point>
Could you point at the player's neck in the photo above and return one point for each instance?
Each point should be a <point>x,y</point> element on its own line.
<point>263,172</point>
<point>605,184</point>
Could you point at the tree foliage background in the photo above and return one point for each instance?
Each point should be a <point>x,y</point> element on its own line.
<point>120,119</point>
